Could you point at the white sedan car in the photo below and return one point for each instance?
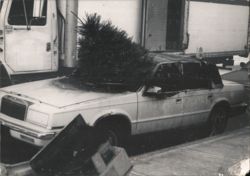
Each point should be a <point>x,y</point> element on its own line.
<point>180,92</point>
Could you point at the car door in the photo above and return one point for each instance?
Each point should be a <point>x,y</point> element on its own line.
<point>197,93</point>
<point>160,103</point>
<point>30,35</point>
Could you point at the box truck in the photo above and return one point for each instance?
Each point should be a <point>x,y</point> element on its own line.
<point>38,38</point>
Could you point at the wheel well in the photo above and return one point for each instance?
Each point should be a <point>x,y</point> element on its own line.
<point>119,120</point>
<point>4,76</point>
<point>223,104</point>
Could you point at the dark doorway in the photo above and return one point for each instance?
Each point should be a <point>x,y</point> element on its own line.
<point>175,22</point>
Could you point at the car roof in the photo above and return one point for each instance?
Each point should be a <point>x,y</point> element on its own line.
<point>172,58</point>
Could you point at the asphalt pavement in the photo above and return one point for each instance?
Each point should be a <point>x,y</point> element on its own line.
<point>13,151</point>
<point>214,156</point>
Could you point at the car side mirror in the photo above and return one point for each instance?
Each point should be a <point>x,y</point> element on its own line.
<point>153,91</point>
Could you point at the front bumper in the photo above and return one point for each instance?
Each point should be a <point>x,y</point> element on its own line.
<point>27,132</point>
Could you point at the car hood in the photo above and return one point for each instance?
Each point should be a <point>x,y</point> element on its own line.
<point>56,93</point>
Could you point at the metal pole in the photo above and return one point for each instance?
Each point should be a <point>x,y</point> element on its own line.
<point>71,33</point>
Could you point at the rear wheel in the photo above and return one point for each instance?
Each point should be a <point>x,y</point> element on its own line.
<point>217,121</point>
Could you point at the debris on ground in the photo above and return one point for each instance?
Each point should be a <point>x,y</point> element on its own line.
<point>77,150</point>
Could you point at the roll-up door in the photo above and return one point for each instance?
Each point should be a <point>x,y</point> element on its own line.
<point>156,24</point>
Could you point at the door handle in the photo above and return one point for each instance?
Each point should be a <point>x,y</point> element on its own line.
<point>48,47</point>
<point>8,28</point>
<point>210,96</point>
<point>178,100</point>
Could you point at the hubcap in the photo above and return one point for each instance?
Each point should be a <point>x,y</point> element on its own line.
<point>218,123</point>
<point>112,138</point>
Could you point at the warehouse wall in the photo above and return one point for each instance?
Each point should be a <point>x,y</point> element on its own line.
<point>126,14</point>
<point>221,27</point>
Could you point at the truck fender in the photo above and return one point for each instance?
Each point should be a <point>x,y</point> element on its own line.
<point>222,101</point>
<point>5,79</point>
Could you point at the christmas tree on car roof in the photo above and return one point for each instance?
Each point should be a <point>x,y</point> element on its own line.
<point>107,55</point>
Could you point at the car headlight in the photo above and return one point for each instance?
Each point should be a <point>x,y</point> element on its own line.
<point>37,118</point>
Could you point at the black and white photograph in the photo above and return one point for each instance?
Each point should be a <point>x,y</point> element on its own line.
<point>124,87</point>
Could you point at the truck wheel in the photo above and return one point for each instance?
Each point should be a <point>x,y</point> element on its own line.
<point>217,121</point>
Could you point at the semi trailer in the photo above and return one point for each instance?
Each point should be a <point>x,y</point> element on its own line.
<point>38,38</point>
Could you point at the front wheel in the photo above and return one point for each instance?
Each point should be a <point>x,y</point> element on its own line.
<point>114,135</point>
<point>217,121</point>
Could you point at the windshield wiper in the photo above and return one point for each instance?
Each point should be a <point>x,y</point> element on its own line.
<point>25,14</point>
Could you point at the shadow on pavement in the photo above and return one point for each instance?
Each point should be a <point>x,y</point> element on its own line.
<point>13,151</point>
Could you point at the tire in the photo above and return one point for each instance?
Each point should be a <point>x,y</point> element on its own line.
<point>217,121</point>
<point>114,134</point>
<point>113,137</point>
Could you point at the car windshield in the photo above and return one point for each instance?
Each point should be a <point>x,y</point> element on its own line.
<point>74,83</point>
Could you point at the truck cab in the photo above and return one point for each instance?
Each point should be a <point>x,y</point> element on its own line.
<point>40,36</point>
<point>29,30</point>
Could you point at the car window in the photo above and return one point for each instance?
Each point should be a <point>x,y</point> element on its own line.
<point>22,12</point>
<point>195,76</point>
<point>168,77</point>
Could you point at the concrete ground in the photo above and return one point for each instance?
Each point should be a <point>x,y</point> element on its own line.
<point>208,156</point>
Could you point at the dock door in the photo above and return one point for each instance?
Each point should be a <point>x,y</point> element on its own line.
<point>164,24</point>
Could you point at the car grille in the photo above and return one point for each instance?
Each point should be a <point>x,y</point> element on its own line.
<point>14,107</point>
